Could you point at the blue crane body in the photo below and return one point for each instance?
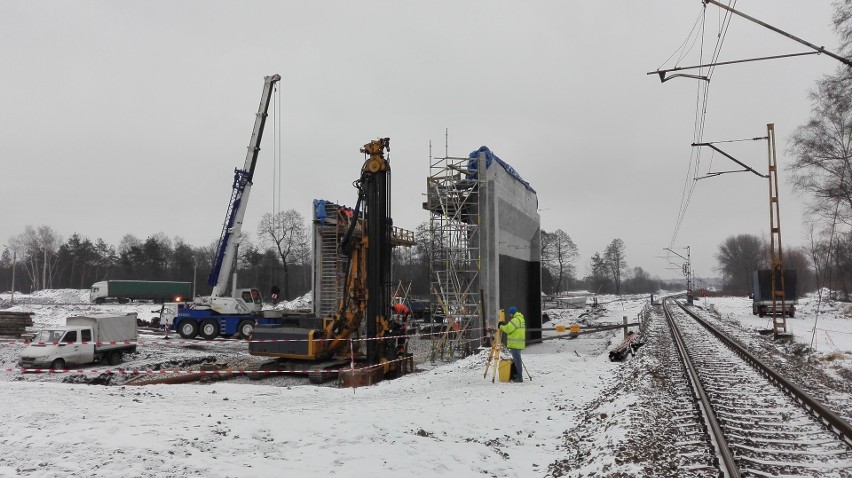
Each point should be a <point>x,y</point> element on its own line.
<point>237,314</point>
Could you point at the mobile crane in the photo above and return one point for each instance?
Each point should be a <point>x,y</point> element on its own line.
<point>218,314</point>
<point>366,245</point>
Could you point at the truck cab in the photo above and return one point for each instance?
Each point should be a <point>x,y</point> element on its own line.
<point>59,347</point>
<point>244,301</point>
<point>82,340</point>
<point>99,292</point>
<point>211,316</point>
<point>168,312</point>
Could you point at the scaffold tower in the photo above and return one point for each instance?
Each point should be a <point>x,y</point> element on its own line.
<point>454,262</point>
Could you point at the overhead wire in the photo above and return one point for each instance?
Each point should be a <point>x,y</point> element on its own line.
<point>688,188</point>
<point>680,49</point>
<point>700,120</point>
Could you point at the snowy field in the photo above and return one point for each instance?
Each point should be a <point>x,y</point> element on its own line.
<point>824,326</point>
<point>444,420</point>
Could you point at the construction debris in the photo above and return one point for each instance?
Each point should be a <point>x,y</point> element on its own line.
<point>626,347</point>
<point>14,324</point>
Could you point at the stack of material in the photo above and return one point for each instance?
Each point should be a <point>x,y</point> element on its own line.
<point>15,323</point>
<point>628,346</point>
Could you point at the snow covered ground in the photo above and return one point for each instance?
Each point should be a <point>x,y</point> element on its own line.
<point>444,421</point>
<point>823,326</point>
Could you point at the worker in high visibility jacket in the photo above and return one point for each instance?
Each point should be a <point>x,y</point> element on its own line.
<point>401,310</point>
<point>516,339</point>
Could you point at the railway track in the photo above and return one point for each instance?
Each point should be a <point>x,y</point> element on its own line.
<point>759,423</point>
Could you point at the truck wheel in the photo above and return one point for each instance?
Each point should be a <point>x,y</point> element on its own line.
<point>245,329</point>
<point>99,300</point>
<point>188,329</point>
<point>114,358</point>
<point>57,364</point>
<point>209,329</point>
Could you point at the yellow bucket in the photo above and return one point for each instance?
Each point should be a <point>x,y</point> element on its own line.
<point>505,369</point>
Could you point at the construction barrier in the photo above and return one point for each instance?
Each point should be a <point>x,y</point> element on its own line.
<point>214,341</point>
<point>120,371</point>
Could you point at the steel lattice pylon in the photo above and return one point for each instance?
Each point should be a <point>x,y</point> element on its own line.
<point>776,255</point>
<point>453,203</point>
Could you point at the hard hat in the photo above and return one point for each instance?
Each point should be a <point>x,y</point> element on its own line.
<point>512,310</point>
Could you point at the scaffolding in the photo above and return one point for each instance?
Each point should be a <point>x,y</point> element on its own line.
<point>454,261</point>
<point>329,265</point>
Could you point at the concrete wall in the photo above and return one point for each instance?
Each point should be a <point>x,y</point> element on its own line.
<point>510,246</point>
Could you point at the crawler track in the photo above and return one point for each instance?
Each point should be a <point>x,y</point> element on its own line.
<point>761,424</point>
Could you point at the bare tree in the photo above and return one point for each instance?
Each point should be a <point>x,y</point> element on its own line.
<point>287,234</point>
<point>558,252</point>
<point>127,242</point>
<point>598,273</point>
<point>797,259</point>
<point>843,26</point>
<point>615,257</point>
<point>38,247</point>
<point>822,149</point>
<point>739,256</point>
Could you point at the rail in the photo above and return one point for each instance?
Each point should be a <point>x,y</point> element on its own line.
<point>731,468</point>
<point>831,420</point>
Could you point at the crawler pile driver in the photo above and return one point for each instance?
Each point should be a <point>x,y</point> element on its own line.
<point>321,343</point>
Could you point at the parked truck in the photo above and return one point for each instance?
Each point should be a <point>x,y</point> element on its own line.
<point>83,340</point>
<point>762,292</point>
<point>127,290</point>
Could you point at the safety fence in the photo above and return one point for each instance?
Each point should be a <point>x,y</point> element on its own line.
<point>221,372</point>
<point>218,341</point>
<point>446,345</point>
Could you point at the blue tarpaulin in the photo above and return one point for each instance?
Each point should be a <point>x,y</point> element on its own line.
<point>321,214</point>
<point>490,157</point>
<point>319,210</point>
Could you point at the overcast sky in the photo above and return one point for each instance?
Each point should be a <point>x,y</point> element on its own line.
<point>129,117</point>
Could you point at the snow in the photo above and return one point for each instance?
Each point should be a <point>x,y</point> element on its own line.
<point>444,421</point>
<point>833,324</point>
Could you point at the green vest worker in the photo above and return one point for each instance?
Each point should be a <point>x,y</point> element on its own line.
<point>516,340</point>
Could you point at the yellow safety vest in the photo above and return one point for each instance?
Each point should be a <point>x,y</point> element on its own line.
<point>516,332</point>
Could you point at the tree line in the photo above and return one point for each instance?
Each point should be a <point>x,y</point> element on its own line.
<point>43,260</point>
<point>280,256</point>
<point>606,273</point>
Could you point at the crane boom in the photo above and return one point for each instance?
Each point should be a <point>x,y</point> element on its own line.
<point>229,239</point>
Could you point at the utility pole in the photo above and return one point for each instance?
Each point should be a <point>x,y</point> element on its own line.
<point>687,272</point>
<point>14,266</point>
<point>776,256</point>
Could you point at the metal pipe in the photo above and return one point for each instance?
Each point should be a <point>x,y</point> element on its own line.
<point>710,145</point>
<point>729,62</point>
<point>782,32</point>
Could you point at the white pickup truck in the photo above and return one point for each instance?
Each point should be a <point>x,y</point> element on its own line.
<point>83,340</point>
